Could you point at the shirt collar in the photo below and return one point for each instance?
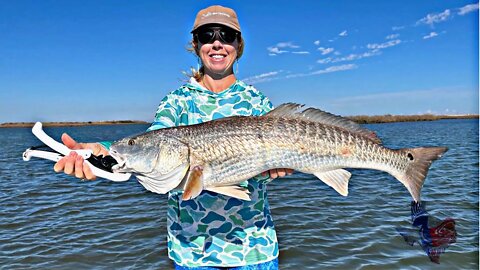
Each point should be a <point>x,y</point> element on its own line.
<point>235,87</point>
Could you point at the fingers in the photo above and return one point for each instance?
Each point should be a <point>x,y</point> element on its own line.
<point>96,148</point>
<point>79,167</point>
<point>58,167</point>
<point>88,173</point>
<point>70,163</point>
<point>74,165</point>
<point>70,142</point>
<point>276,173</point>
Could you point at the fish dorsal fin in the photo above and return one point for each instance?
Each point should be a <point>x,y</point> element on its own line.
<point>286,110</point>
<point>296,111</point>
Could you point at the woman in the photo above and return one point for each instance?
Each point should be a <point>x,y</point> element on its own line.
<point>211,230</point>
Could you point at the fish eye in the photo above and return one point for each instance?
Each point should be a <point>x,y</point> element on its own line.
<point>410,156</point>
<point>131,142</point>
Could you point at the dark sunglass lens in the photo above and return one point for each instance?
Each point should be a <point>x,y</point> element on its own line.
<point>228,36</point>
<point>205,36</point>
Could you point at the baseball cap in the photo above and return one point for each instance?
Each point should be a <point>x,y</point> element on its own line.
<point>217,15</point>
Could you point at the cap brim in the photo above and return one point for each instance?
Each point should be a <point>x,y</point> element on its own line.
<point>229,25</point>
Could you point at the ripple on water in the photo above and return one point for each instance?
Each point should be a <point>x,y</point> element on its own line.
<point>55,221</point>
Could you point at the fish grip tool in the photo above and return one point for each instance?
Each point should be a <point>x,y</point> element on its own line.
<point>100,165</point>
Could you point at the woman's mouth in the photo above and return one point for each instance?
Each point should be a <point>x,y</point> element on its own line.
<point>217,57</point>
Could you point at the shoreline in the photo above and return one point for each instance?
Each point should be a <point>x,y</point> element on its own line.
<point>71,124</point>
<point>360,119</point>
<point>378,119</point>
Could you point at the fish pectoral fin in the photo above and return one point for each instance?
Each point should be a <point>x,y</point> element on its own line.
<point>194,185</point>
<point>163,183</point>
<point>337,179</point>
<point>232,191</point>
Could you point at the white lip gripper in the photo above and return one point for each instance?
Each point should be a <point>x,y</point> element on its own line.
<point>103,165</point>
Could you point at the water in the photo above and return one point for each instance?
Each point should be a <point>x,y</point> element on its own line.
<point>53,221</point>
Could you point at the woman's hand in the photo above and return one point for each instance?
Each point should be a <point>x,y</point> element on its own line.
<point>73,164</point>
<point>275,173</point>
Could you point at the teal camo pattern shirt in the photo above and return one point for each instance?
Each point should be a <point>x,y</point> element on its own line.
<point>213,229</point>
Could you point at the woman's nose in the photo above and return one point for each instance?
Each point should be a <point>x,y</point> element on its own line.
<point>217,44</point>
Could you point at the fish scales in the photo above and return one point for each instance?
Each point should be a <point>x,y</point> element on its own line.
<point>244,147</point>
<point>284,138</point>
<point>228,151</point>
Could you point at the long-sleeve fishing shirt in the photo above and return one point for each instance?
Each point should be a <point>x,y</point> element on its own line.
<point>213,229</point>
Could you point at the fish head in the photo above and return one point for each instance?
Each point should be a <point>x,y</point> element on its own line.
<point>151,156</point>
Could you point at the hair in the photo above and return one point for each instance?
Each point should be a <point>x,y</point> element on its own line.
<point>193,48</point>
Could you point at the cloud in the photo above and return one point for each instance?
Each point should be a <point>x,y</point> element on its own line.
<point>324,71</point>
<point>396,28</point>
<point>316,42</point>
<point>287,45</point>
<point>335,69</point>
<point>275,51</point>
<point>431,35</point>
<point>467,9</point>
<point>301,52</point>
<point>391,43</point>
<point>354,56</point>
<point>279,48</point>
<point>374,49</point>
<point>433,18</point>
<point>325,60</point>
<point>343,34</point>
<point>392,36</point>
<point>264,77</point>
<point>325,50</point>
<point>275,75</point>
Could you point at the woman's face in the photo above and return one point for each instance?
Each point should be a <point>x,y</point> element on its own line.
<point>218,56</point>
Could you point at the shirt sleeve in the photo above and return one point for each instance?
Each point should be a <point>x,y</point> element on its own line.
<point>262,104</point>
<point>168,112</point>
<point>106,144</point>
<point>265,105</point>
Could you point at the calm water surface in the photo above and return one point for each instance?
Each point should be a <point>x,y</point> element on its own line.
<point>53,221</point>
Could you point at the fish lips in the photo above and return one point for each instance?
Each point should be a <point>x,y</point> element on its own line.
<point>121,161</point>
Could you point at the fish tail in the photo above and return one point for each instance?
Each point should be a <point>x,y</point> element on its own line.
<point>416,171</point>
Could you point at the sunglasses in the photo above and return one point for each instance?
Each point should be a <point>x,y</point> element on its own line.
<point>210,34</point>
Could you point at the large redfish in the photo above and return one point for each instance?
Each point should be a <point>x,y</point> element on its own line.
<point>220,154</point>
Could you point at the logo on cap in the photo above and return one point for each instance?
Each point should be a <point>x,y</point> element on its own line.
<point>215,13</point>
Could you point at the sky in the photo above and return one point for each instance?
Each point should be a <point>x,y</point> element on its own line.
<point>94,60</point>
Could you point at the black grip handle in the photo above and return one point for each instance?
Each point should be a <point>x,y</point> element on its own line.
<point>103,162</point>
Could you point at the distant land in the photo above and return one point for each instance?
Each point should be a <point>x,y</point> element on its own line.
<point>366,119</point>
<point>72,124</point>
<point>361,119</point>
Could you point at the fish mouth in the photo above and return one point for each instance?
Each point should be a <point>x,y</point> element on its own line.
<point>121,161</point>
